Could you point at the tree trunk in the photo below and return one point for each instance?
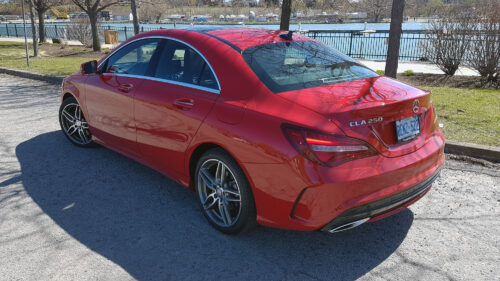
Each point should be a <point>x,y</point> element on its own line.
<point>133,7</point>
<point>391,66</point>
<point>33,29</point>
<point>286,9</point>
<point>96,43</point>
<point>41,25</point>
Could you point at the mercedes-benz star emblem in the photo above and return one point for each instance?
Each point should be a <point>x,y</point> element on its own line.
<point>416,106</point>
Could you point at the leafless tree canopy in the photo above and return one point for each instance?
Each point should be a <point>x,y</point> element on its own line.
<point>92,8</point>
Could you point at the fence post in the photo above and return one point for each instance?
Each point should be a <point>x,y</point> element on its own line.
<point>7,28</point>
<point>55,26</point>
<point>350,44</point>
<point>126,36</point>
<point>15,28</point>
<point>142,27</point>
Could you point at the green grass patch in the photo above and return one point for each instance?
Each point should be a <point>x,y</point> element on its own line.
<point>468,115</point>
<point>12,55</point>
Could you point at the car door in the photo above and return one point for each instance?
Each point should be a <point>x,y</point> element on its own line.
<point>169,109</point>
<point>109,95</point>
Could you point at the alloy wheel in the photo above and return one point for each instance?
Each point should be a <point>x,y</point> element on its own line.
<point>74,124</point>
<point>219,193</point>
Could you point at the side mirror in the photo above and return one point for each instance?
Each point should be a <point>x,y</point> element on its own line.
<point>89,67</point>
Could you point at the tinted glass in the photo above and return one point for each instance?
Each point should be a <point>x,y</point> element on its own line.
<point>133,58</point>
<point>178,62</point>
<point>302,64</point>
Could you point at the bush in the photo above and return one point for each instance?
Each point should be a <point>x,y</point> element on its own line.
<point>449,39</point>
<point>484,54</point>
<point>409,72</point>
<point>80,29</point>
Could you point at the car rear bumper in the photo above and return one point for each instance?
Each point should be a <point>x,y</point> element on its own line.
<point>374,210</point>
<point>302,196</point>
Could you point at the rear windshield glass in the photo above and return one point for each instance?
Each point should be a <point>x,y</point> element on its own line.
<point>298,65</point>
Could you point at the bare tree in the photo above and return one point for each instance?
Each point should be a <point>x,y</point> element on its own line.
<point>135,19</point>
<point>152,10</point>
<point>41,7</point>
<point>449,39</point>
<point>485,50</point>
<point>376,9</point>
<point>286,9</point>
<point>92,8</point>
<point>33,29</point>
<point>391,65</point>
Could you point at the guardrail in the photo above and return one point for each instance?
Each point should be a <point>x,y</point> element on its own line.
<point>366,44</point>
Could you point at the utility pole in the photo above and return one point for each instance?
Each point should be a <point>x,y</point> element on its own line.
<point>25,38</point>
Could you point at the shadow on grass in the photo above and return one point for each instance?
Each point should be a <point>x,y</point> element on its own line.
<point>153,229</point>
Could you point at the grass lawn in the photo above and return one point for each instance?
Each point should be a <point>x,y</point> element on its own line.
<point>12,55</point>
<point>469,115</point>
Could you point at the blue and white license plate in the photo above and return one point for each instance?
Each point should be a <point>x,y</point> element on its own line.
<point>407,128</point>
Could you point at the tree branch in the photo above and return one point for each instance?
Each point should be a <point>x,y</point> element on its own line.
<point>79,5</point>
<point>107,5</point>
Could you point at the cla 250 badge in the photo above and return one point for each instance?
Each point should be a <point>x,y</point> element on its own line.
<point>366,122</point>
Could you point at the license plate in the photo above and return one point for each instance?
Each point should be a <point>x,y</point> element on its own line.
<point>407,128</point>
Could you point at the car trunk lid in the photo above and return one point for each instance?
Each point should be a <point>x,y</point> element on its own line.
<point>368,109</point>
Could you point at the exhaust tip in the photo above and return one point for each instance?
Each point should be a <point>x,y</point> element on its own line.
<point>348,225</point>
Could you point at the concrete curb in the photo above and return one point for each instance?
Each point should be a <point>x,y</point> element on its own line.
<point>485,152</point>
<point>52,79</point>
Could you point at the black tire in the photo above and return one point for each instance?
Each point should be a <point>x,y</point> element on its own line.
<point>235,180</point>
<point>81,135</point>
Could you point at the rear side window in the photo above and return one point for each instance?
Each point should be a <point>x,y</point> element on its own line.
<point>299,65</point>
<point>133,58</point>
<point>179,62</point>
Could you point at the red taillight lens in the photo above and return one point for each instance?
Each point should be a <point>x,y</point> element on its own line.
<point>326,149</point>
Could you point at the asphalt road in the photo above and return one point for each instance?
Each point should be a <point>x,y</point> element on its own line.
<point>68,213</point>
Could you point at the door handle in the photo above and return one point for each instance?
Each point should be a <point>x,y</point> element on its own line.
<point>125,87</point>
<point>184,104</point>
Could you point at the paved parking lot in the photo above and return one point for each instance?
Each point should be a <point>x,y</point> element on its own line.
<point>68,213</point>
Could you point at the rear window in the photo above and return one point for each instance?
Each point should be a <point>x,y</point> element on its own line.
<point>299,65</point>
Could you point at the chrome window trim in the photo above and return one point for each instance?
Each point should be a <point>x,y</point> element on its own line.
<point>216,91</point>
<point>166,81</point>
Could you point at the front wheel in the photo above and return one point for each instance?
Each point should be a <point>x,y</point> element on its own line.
<point>224,193</point>
<point>73,123</point>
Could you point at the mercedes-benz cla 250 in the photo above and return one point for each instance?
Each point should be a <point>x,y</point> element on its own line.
<point>266,127</point>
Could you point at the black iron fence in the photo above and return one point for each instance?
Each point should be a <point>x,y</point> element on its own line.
<point>366,44</point>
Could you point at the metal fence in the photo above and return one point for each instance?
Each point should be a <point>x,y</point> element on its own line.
<point>358,44</point>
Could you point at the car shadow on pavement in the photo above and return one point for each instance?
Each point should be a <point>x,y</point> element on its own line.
<point>152,227</point>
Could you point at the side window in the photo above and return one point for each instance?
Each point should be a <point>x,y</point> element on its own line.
<point>133,58</point>
<point>178,62</point>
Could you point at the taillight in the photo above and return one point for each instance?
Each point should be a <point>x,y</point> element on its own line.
<point>326,149</point>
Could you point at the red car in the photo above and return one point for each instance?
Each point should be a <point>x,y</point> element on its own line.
<point>267,127</point>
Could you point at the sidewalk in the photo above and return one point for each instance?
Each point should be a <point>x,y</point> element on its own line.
<point>417,67</point>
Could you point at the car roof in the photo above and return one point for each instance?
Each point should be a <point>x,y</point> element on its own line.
<point>243,38</point>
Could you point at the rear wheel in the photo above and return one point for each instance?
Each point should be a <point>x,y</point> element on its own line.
<point>73,123</point>
<point>224,193</point>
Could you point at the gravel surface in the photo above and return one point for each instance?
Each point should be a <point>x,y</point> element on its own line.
<point>68,213</point>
